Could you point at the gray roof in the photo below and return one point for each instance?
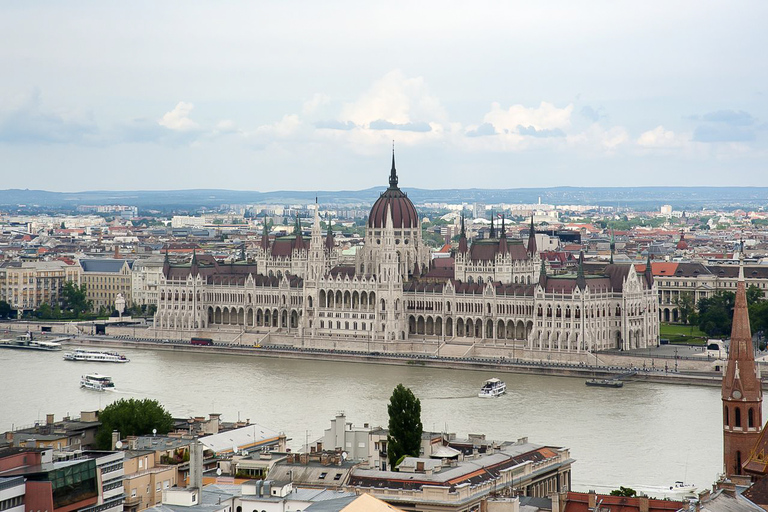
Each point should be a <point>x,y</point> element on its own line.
<point>104,265</point>
<point>333,505</point>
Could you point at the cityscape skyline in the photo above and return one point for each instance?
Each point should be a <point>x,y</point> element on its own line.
<point>263,98</point>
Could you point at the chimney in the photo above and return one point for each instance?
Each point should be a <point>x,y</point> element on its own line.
<point>643,503</point>
<point>196,465</point>
<point>592,499</point>
<point>115,439</point>
<point>49,419</point>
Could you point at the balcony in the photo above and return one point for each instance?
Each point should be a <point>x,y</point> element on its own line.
<point>133,501</point>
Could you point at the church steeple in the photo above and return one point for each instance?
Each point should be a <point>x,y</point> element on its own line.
<point>463,237</point>
<point>393,172</point>
<point>742,394</point>
<point>581,281</point>
<point>532,240</point>
<point>493,229</point>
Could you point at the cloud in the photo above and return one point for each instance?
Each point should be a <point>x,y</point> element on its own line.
<point>483,130</point>
<point>592,114</point>
<point>335,125</point>
<point>659,138</point>
<point>546,132</point>
<point>545,117</point>
<point>396,99</point>
<point>381,124</point>
<point>315,102</point>
<point>29,122</point>
<point>178,118</point>
<point>725,126</point>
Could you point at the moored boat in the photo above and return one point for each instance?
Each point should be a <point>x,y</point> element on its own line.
<point>95,357</point>
<point>682,487</point>
<point>97,382</point>
<point>605,383</point>
<point>27,341</point>
<point>492,388</point>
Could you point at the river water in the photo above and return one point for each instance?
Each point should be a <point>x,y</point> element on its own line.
<point>644,435</point>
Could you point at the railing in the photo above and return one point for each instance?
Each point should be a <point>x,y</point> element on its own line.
<point>133,500</point>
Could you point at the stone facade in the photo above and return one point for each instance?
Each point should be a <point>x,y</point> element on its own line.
<point>300,289</point>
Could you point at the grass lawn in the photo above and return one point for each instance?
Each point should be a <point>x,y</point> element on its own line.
<point>677,333</point>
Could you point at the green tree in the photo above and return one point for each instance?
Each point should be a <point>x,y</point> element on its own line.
<point>132,418</point>
<point>624,491</point>
<point>405,426</point>
<point>754,294</point>
<point>716,313</point>
<point>5,309</point>
<point>685,306</point>
<point>73,299</point>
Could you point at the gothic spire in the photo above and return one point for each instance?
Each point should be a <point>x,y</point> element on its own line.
<point>462,236</point>
<point>393,172</point>
<point>581,281</point>
<point>532,240</point>
<point>613,245</point>
<point>493,229</point>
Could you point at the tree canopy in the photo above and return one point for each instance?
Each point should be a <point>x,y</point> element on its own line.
<point>405,426</point>
<point>715,313</point>
<point>132,418</point>
<point>74,300</point>
<point>624,491</point>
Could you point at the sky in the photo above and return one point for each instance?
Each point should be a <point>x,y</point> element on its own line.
<point>311,95</point>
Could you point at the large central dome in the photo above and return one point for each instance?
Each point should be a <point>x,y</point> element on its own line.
<point>403,212</point>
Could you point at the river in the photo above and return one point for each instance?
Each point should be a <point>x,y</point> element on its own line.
<point>644,435</point>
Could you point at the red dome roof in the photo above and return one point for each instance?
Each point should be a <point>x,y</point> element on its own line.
<point>403,212</point>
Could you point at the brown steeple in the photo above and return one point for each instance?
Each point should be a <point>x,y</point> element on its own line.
<point>503,249</point>
<point>329,242</point>
<point>532,240</point>
<point>463,237</point>
<point>265,235</point>
<point>741,392</point>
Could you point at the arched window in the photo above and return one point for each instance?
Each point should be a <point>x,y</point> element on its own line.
<point>737,422</point>
<point>725,412</point>
<point>751,418</point>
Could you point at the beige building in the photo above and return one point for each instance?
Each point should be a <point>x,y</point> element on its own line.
<point>26,285</point>
<point>104,279</point>
<point>145,281</point>
<point>144,480</point>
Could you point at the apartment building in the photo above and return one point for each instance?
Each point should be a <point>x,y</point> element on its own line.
<point>105,279</point>
<point>29,284</point>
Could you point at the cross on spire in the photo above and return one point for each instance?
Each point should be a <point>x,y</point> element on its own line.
<point>393,172</point>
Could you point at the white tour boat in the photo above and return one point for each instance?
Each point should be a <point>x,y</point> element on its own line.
<point>97,382</point>
<point>95,357</point>
<point>492,388</point>
<point>682,487</point>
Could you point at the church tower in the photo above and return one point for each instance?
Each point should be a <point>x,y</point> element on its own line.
<point>741,392</point>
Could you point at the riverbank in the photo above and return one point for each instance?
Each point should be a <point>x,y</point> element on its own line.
<point>626,372</point>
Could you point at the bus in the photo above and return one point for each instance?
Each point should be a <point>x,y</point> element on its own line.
<point>201,341</point>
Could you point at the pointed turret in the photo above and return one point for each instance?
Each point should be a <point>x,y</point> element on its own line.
<point>493,228</point>
<point>532,241</point>
<point>166,262</point>
<point>581,280</point>
<point>329,241</point>
<point>265,236</point>
<point>613,246</point>
<point>649,271</point>
<point>741,392</point>
<point>543,274</point>
<point>503,249</point>
<point>393,171</point>
<point>462,237</point>
<point>193,266</point>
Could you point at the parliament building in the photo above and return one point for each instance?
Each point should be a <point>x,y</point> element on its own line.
<point>302,292</point>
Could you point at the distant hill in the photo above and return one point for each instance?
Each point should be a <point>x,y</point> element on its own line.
<point>645,198</point>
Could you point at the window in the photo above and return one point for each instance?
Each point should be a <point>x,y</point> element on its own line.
<point>337,477</point>
<point>323,475</point>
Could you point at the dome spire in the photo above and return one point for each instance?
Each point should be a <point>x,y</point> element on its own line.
<point>393,172</point>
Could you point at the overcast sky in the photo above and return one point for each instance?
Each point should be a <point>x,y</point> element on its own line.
<point>309,95</point>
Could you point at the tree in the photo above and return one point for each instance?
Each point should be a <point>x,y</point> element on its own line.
<point>624,491</point>
<point>132,418</point>
<point>685,306</point>
<point>405,426</point>
<point>73,299</point>
<point>715,313</point>
<point>5,309</point>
